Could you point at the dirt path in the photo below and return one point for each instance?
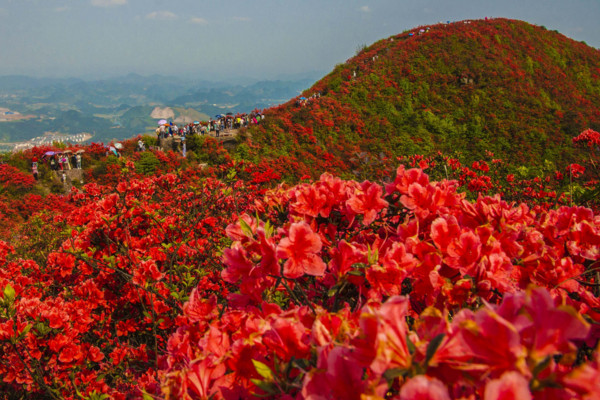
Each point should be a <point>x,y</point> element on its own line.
<point>224,135</point>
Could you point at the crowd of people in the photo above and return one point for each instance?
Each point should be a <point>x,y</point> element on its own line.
<point>302,101</point>
<point>58,162</point>
<point>221,123</point>
<point>66,160</point>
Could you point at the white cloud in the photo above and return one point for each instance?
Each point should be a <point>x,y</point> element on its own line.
<point>62,9</point>
<point>243,19</point>
<point>161,15</point>
<point>108,3</point>
<point>365,9</point>
<point>198,20</point>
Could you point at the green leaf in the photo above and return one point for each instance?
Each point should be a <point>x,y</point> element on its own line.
<point>245,228</point>
<point>9,293</point>
<point>333,291</point>
<point>372,255</point>
<point>263,370</point>
<point>268,229</point>
<point>98,396</point>
<point>42,329</point>
<point>541,366</point>
<point>393,373</point>
<point>410,345</point>
<point>264,386</point>
<point>433,346</point>
<point>24,331</point>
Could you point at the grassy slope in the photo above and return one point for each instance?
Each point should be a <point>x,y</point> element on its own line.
<point>505,86</point>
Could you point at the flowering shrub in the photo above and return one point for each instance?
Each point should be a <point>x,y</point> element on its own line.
<point>196,282</point>
<point>91,314</point>
<point>13,180</point>
<point>330,289</point>
<point>443,280</point>
<point>348,290</point>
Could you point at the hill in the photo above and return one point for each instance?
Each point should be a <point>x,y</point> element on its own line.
<point>466,88</point>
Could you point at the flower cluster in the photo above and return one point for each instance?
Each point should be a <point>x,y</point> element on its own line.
<point>90,308</point>
<point>353,290</point>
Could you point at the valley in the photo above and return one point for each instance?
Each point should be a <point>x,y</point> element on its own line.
<point>123,107</point>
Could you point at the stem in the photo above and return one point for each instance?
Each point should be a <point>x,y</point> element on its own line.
<point>571,186</point>
<point>308,303</point>
<point>337,296</point>
<point>579,275</point>
<point>40,380</point>
<point>292,294</point>
<point>584,283</point>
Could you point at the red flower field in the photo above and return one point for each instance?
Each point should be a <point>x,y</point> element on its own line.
<point>186,286</point>
<point>404,276</point>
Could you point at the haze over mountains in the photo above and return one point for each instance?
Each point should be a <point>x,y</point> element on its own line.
<point>120,107</point>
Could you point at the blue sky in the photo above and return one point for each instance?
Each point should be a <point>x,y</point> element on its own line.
<point>263,39</point>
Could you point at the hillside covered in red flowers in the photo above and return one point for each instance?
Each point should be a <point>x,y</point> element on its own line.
<point>517,90</point>
<point>205,276</point>
<point>216,282</point>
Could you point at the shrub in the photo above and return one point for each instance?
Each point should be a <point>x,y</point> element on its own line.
<point>147,164</point>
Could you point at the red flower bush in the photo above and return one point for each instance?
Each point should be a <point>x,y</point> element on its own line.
<point>93,315</point>
<point>432,297</point>
<point>12,179</point>
<point>202,283</point>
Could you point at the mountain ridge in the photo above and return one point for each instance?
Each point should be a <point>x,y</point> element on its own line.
<point>467,88</point>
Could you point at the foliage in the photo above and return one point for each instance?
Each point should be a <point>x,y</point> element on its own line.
<point>147,163</point>
<point>131,297</point>
<point>101,303</point>
<point>346,290</point>
<point>465,88</point>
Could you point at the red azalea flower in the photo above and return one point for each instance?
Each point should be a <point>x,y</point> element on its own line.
<point>367,201</point>
<point>422,387</point>
<point>300,249</point>
<point>511,385</point>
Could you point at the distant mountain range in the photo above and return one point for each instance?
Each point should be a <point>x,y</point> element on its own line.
<point>120,107</point>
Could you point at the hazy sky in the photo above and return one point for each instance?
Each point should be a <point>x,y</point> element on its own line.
<point>233,38</point>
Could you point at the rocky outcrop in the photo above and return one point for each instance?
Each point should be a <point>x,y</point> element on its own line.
<point>68,177</point>
<point>162,113</point>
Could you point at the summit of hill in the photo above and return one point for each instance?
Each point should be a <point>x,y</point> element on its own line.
<point>468,88</point>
